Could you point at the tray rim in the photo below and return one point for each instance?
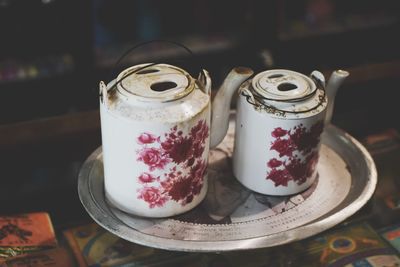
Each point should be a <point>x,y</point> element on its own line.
<point>297,233</point>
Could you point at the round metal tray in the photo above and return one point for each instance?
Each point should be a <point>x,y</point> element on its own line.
<point>233,218</point>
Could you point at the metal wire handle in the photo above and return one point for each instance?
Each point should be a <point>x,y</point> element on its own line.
<point>117,63</point>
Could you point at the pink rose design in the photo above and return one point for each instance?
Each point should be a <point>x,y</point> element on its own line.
<point>299,140</point>
<point>167,145</point>
<point>185,151</point>
<point>198,149</point>
<point>200,132</point>
<point>153,196</point>
<point>146,138</point>
<point>279,177</point>
<point>180,188</point>
<point>146,178</point>
<point>279,132</point>
<point>284,147</point>
<point>153,158</point>
<point>273,163</point>
<point>181,150</point>
<point>197,171</point>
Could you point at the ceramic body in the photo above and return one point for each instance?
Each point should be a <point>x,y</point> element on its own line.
<point>277,142</point>
<point>155,143</point>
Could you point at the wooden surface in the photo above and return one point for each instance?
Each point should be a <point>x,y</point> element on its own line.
<point>49,129</point>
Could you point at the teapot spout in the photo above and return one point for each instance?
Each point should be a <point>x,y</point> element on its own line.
<point>335,81</point>
<point>222,101</point>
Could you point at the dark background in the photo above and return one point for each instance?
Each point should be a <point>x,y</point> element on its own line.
<point>53,53</point>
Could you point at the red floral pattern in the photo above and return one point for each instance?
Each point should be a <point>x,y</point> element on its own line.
<point>147,178</point>
<point>289,144</point>
<point>273,163</point>
<point>153,196</point>
<point>186,152</point>
<point>146,138</point>
<point>178,148</point>
<point>154,158</point>
<point>279,132</point>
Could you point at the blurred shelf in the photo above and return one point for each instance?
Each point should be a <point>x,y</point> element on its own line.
<point>16,71</point>
<point>374,71</point>
<point>48,129</point>
<point>75,124</point>
<point>107,56</point>
<point>301,29</point>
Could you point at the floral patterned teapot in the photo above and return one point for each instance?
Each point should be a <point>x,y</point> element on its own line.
<point>156,133</point>
<point>280,118</point>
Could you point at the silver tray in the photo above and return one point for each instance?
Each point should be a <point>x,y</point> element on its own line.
<point>234,218</point>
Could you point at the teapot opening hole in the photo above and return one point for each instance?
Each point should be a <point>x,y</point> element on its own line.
<point>162,86</point>
<point>286,87</point>
<point>147,71</point>
<point>275,76</point>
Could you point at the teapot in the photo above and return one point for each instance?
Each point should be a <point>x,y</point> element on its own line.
<point>156,132</point>
<point>279,120</point>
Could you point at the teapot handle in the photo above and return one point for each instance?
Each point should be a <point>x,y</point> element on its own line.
<point>319,77</point>
<point>103,92</point>
<point>126,53</point>
<point>130,50</point>
<point>248,94</point>
<point>205,81</point>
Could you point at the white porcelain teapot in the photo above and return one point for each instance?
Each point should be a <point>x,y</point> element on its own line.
<point>280,118</point>
<point>156,132</point>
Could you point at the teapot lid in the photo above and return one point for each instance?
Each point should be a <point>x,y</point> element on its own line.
<point>283,85</point>
<point>157,82</point>
<point>285,93</point>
